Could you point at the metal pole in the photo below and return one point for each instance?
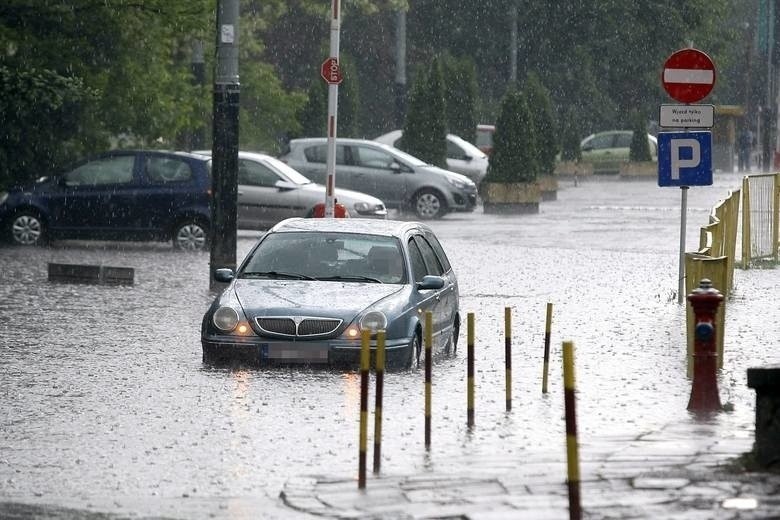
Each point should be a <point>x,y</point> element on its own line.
<point>225,141</point>
<point>333,101</point>
<point>380,384</point>
<point>470,370</point>
<point>683,223</point>
<point>365,355</point>
<point>513,42</point>
<point>428,365</point>
<point>400,68</point>
<point>508,356</point>
<point>198,69</point>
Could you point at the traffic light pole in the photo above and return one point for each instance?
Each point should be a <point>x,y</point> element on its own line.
<point>224,155</point>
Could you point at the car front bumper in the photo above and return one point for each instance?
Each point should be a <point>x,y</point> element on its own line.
<point>266,351</point>
<point>463,201</point>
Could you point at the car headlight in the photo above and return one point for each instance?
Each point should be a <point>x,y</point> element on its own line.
<point>3,196</point>
<point>460,184</point>
<point>362,207</point>
<point>225,319</point>
<point>373,321</point>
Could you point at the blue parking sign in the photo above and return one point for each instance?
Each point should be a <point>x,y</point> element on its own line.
<point>685,158</point>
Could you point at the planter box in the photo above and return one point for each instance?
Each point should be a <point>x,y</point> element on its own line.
<point>513,198</point>
<point>548,185</point>
<point>639,170</point>
<point>573,169</point>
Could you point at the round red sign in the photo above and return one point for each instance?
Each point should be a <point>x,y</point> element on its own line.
<point>688,75</point>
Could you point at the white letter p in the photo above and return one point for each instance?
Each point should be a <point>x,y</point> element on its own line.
<point>677,162</point>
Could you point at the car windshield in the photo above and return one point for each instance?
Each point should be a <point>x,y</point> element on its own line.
<point>331,256</point>
<point>292,174</point>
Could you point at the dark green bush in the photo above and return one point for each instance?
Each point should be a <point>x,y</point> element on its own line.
<point>514,143</point>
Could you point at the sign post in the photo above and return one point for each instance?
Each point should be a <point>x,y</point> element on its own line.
<point>331,73</point>
<point>685,158</point>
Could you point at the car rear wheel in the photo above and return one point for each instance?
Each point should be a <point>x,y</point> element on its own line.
<point>27,228</point>
<point>190,235</point>
<point>429,204</point>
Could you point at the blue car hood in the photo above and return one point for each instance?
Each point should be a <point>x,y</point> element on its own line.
<point>342,300</point>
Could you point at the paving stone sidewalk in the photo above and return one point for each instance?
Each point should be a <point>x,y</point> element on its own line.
<point>661,475</point>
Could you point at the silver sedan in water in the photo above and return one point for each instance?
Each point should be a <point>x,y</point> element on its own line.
<point>309,287</point>
<point>270,191</point>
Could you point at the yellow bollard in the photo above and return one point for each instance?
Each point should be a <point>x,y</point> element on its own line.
<point>572,451</point>
<point>428,365</point>
<point>547,329</point>
<point>365,355</point>
<point>470,370</point>
<point>380,382</point>
<point>508,355</point>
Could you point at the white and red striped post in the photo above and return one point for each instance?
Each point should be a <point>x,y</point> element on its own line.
<point>333,102</point>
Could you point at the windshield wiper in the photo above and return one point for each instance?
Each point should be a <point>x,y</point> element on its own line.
<point>355,277</point>
<point>275,274</point>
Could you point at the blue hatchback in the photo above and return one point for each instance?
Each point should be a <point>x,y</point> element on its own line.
<point>120,195</point>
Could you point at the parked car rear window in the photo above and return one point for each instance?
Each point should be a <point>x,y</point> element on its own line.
<point>319,154</point>
<point>166,169</point>
<point>108,170</point>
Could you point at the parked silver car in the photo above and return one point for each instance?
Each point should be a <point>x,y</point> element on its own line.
<point>270,191</point>
<point>399,179</point>
<point>309,287</point>
<point>462,156</point>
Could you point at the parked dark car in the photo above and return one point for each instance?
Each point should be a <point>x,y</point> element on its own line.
<point>309,287</point>
<point>119,195</point>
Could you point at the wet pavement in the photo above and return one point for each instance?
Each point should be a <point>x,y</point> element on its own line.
<point>107,411</point>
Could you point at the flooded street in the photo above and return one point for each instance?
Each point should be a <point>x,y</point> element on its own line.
<point>106,406</point>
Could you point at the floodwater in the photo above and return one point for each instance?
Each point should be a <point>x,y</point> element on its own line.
<point>106,406</point>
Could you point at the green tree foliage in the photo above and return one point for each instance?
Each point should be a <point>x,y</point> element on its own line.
<point>640,148</point>
<point>460,95</point>
<point>42,106</point>
<point>425,130</point>
<point>514,157</point>
<point>545,129</point>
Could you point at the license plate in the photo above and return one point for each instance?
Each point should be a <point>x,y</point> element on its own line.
<point>298,353</point>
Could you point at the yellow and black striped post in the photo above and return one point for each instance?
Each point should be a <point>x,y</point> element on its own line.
<point>380,382</point>
<point>547,329</point>
<point>428,365</point>
<point>572,452</point>
<point>470,369</point>
<point>365,355</point>
<point>508,355</point>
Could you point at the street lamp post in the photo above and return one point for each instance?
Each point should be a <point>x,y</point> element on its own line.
<point>224,156</point>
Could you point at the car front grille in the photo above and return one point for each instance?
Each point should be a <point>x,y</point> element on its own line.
<point>296,326</point>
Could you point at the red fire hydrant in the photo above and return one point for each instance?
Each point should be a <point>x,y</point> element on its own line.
<point>704,391</point>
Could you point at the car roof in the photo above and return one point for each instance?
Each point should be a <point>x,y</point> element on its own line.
<point>241,154</point>
<point>342,140</point>
<point>394,228</point>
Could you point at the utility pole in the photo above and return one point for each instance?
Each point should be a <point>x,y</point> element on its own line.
<point>224,158</point>
<point>198,69</point>
<point>400,68</point>
<point>513,42</point>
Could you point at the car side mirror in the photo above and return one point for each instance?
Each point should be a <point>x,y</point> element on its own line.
<point>429,282</point>
<point>395,167</point>
<point>467,158</point>
<point>587,147</point>
<point>224,275</point>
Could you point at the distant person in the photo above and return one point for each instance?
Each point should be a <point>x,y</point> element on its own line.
<point>744,148</point>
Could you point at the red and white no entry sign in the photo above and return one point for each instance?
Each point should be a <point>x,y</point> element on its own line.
<point>688,75</point>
